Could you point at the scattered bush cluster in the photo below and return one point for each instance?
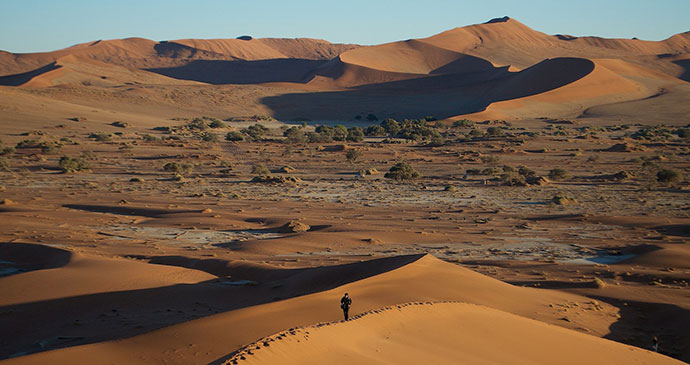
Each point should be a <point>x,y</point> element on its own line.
<point>72,165</point>
<point>402,171</point>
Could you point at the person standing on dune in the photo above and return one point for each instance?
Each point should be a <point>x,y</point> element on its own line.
<point>345,303</point>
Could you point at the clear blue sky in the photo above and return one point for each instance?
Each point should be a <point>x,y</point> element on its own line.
<point>45,25</point>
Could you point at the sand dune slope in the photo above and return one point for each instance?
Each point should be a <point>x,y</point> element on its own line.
<point>84,274</point>
<point>427,279</point>
<point>441,333</point>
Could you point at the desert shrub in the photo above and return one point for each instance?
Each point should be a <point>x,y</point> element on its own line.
<point>314,137</point>
<point>4,164</point>
<point>563,199</point>
<point>495,131</point>
<point>473,171</point>
<point>652,133</point>
<point>149,138</point>
<point>391,126</point>
<point>234,136</point>
<point>50,147</point>
<point>526,171</point>
<point>463,123</point>
<point>559,174</point>
<point>353,155</point>
<point>260,170</point>
<point>71,165</point>
<point>295,135</point>
<point>375,131</point>
<point>593,158</point>
<point>417,130</point>
<point>450,188</point>
<point>476,133</point>
<point>78,119</point>
<point>7,151</point>
<point>513,179</point>
<point>100,136</point>
<point>355,134</point>
<point>119,124</point>
<point>339,132</point>
<point>491,160</point>
<point>178,177</point>
<point>668,176</point>
<point>217,124</point>
<point>255,132</point>
<point>179,168</point>
<point>197,124</point>
<point>402,171</point>
<point>209,137</point>
<point>28,143</point>
<point>491,171</point>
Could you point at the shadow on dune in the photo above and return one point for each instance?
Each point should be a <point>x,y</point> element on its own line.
<point>685,64</point>
<point>439,95</point>
<point>220,72</point>
<point>641,321</point>
<point>16,258</point>
<point>110,315</point>
<point>22,78</point>
<point>120,210</point>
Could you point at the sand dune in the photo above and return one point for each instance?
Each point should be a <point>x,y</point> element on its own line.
<point>441,333</point>
<point>214,337</point>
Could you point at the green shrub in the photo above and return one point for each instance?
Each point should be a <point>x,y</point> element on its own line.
<point>464,123</point>
<point>197,124</point>
<point>100,136</point>
<point>217,124</point>
<point>260,170</point>
<point>513,179</point>
<point>209,137</point>
<point>526,171</point>
<point>375,131</point>
<point>339,132</point>
<point>495,131</point>
<point>353,155</point>
<point>149,138</point>
<point>255,132</point>
<point>71,165</point>
<point>668,176</point>
<point>355,134</point>
<point>295,135</point>
<point>180,168</point>
<point>234,136</point>
<point>391,126</point>
<point>559,174</point>
<point>402,171</point>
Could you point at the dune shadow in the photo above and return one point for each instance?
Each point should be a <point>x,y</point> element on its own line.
<point>440,95</point>
<point>107,316</point>
<point>16,258</point>
<point>219,72</point>
<point>685,64</point>
<point>681,230</point>
<point>22,78</point>
<point>121,210</point>
<point>639,322</point>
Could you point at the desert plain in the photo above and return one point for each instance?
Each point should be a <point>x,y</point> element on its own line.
<point>490,194</point>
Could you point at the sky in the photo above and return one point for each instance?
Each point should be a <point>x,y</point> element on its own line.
<point>47,25</point>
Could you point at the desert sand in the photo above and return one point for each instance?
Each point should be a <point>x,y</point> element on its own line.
<point>180,202</point>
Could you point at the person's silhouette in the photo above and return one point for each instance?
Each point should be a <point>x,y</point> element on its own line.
<point>345,303</point>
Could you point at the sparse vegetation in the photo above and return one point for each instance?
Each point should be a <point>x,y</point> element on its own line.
<point>353,155</point>
<point>71,165</point>
<point>234,136</point>
<point>355,134</point>
<point>295,135</point>
<point>178,168</point>
<point>669,176</point>
<point>100,136</point>
<point>559,174</point>
<point>120,124</point>
<point>149,138</point>
<point>209,137</point>
<point>260,170</point>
